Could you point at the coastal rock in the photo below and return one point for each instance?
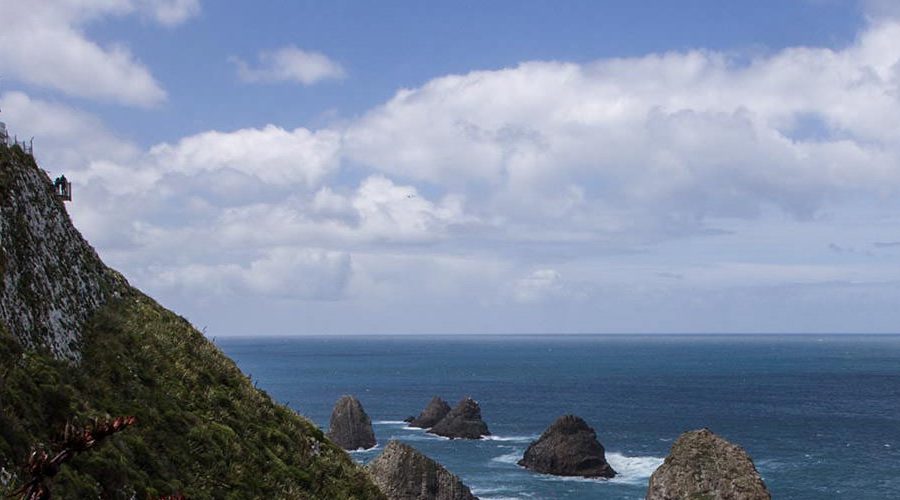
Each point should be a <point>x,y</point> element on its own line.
<point>403,473</point>
<point>703,465</point>
<point>463,422</point>
<point>51,280</point>
<point>569,447</point>
<point>350,427</point>
<point>436,410</point>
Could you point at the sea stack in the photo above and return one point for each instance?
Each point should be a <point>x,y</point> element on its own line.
<point>463,422</point>
<point>436,410</point>
<point>403,473</point>
<point>350,427</point>
<point>703,465</point>
<point>569,447</point>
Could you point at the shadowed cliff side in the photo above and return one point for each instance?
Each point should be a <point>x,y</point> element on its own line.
<point>77,342</point>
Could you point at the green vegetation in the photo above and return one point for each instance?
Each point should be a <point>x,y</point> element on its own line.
<point>203,430</point>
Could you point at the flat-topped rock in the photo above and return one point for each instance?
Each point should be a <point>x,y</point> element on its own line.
<point>463,422</point>
<point>403,473</point>
<point>350,427</point>
<point>569,447</point>
<point>436,410</point>
<point>704,465</point>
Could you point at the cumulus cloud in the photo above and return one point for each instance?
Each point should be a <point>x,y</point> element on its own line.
<point>272,154</point>
<point>289,273</point>
<point>527,187</point>
<point>652,144</point>
<point>65,137</point>
<point>47,46</point>
<point>170,12</point>
<point>289,64</point>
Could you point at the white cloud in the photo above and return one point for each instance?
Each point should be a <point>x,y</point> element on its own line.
<point>272,154</point>
<point>170,12</point>
<point>539,285</point>
<point>305,274</point>
<point>594,186</point>
<point>289,64</point>
<point>653,146</point>
<point>64,137</point>
<point>45,45</point>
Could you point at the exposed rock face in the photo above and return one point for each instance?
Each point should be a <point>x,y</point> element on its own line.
<point>463,422</point>
<point>436,410</point>
<point>402,473</point>
<point>569,447</point>
<point>51,280</point>
<point>204,431</point>
<point>350,427</point>
<point>702,465</point>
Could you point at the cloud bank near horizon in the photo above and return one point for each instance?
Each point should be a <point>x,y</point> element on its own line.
<point>550,194</point>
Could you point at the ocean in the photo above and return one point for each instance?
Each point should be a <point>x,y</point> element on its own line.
<point>819,414</point>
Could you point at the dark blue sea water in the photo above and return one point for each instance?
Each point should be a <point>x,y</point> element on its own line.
<point>820,415</point>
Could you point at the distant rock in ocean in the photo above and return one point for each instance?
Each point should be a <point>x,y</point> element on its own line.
<point>569,447</point>
<point>350,427</point>
<point>436,410</point>
<point>703,465</point>
<point>403,473</point>
<point>462,422</point>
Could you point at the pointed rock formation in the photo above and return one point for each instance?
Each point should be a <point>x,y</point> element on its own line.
<point>350,427</point>
<point>436,410</point>
<point>703,465</point>
<point>403,473</point>
<point>569,447</point>
<point>463,422</point>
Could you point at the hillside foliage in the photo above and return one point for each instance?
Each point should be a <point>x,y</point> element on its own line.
<point>202,429</point>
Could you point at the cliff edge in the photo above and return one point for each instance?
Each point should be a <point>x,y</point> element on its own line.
<point>77,342</point>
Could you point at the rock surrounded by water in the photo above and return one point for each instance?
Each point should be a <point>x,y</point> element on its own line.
<point>350,427</point>
<point>436,410</point>
<point>569,447</point>
<point>463,422</point>
<point>403,473</point>
<point>703,465</point>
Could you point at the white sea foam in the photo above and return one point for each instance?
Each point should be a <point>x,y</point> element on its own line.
<point>424,437</point>
<point>570,479</point>
<point>486,490</point>
<point>390,422</point>
<point>630,470</point>
<point>513,439</point>
<point>495,493</point>
<point>509,458</point>
<point>633,470</point>
<point>364,450</point>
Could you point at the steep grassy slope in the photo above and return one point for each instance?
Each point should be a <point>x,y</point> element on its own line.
<point>203,429</point>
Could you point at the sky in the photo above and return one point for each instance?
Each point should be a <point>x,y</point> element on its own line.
<point>399,167</point>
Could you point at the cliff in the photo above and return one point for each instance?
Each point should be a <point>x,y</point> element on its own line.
<point>462,422</point>
<point>705,466</point>
<point>569,447</point>
<point>350,426</point>
<point>51,280</point>
<point>403,473</point>
<point>77,342</point>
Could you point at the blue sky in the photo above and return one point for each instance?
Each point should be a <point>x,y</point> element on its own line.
<point>339,167</point>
